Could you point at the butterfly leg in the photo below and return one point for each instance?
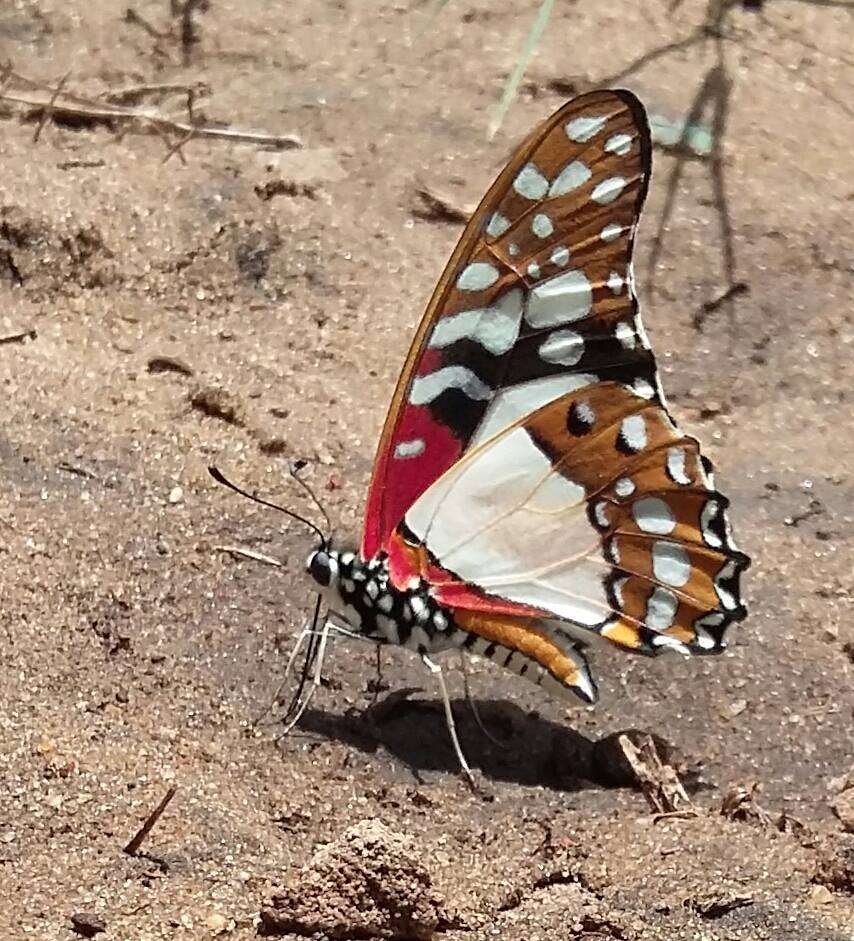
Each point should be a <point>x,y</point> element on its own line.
<point>473,705</point>
<point>306,632</point>
<point>439,673</point>
<point>316,679</point>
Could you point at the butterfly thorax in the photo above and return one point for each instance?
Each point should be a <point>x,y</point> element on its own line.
<point>362,594</point>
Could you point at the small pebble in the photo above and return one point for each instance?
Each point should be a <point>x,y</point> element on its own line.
<point>843,807</point>
<point>176,495</point>
<point>733,709</point>
<point>821,895</point>
<point>216,922</point>
<point>87,925</point>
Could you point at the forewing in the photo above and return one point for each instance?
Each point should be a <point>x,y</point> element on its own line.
<point>596,511</point>
<point>535,301</point>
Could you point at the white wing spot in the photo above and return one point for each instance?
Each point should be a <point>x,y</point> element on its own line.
<point>563,348</point>
<point>572,176</point>
<point>413,448</point>
<point>513,248</point>
<point>615,282</point>
<point>533,270</point>
<point>560,256</point>
<point>619,144</point>
<point>624,487</point>
<point>727,598</point>
<point>665,641</point>
<point>498,225</point>
<point>661,609</point>
<point>542,226</point>
<point>477,276</point>
<point>427,388</point>
<point>707,517</point>
<point>563,299</point>
<point>642,388</point>
<point>585,413</point>
<point>600,512</point>
<point>653,515</point>
<point>670,564</point>
<point>704,639</point>
<point>610,232</point>
<point>608,190</point>
<point>624,333</point>
<point>495,328</point>
<point>583,128</point>
<point>530,183</point>
<point>633,432</point>
<point>676,466</point>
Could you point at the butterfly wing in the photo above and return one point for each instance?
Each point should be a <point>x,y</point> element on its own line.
<point>535,301</point>
<point>595,511</point>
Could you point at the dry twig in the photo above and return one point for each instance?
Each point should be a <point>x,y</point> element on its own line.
<point>133,847</point>
<point>51,101</point>
<point>20,337</point>
<point>241,552</point>
<point>436,207</point>
<point>659,782</point>
<point>740,803</point>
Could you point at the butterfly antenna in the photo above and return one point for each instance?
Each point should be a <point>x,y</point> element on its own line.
<point>295,469</point>
<point>220,478</point>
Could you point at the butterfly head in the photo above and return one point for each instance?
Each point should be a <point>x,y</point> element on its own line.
<point>323,566</point>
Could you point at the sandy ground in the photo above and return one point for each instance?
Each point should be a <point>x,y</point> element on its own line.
<point>134,654</point>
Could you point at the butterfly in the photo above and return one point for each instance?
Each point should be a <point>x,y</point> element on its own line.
<point>531,492</point>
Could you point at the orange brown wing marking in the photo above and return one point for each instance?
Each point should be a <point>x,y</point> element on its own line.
<point>523,636</point>
<point>662,524</point>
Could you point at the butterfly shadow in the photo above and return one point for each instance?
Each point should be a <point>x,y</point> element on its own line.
<point>720,29</point>
<point>514,745</point>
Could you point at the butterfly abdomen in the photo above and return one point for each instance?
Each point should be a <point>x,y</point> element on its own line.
<point>529,649</point>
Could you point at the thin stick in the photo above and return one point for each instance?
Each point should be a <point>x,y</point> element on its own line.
<point>133,847</point>
<point>249,554</point>
<point>135,93</point>
<point>32,93</point>
<point>176,148</point>
<point>379,679</point>
<point>21,337</point>
<point>515,77</point>
<point>49,107</point>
